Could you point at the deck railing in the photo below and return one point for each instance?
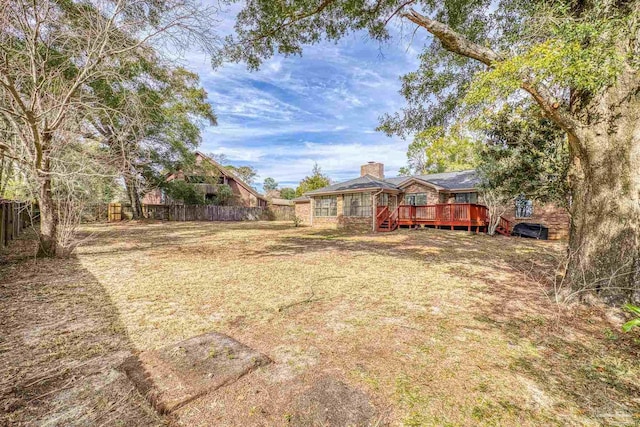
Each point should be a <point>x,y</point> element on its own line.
<point>444,214</point>
<point>382,213</point>
<point>469,215</point>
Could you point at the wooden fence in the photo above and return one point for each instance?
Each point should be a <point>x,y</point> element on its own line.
<point>282,213</point>
<point>203,213</point>
<point>120,212</point>
<point>14,217</point>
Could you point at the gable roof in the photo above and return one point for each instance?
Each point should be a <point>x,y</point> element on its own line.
<point>278,201</point>
<point>232,175</point>
<point>301,199</point>
<point>450,181</point>
<point>459,180</point>
<point>366,182</point>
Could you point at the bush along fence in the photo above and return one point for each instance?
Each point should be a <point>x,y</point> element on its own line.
<point>14,217</point>
<point>119,212</point>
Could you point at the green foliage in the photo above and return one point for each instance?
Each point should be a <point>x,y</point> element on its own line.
<point>297,221</point>
<point>245,173</point>
<point>224,195</point>
<point>269,184</point>
<point>524,154</point>
<point>576,48</point>
<point>435,150</point>
<point>153,120</point>
<point>633,323</point>
<point>182,191</point>
<point>315,181</point>
<point>561,62</point>
<point>288,193</point>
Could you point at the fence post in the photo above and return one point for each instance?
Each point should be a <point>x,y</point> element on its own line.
<point>2,226</point>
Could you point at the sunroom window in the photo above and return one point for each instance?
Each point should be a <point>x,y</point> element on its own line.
<point>466,197</point>
<point>415,199</point>
<point>325,206</point>
<point>358,204</point>
<point>524,207</point>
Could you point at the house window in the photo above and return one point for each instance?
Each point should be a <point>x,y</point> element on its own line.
<point>466,197</point>
<point>383,199</point>
<point>358,204</point>
<point>325,206</point>
<point>415,199</point>
<point>524,207</point>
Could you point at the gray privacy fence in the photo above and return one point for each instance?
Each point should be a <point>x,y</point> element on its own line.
<point>203,213</point>
<point>120,212</point>
<point>14,217</point>
<point>282,213</point>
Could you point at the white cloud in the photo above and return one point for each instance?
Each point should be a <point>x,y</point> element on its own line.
<point>322,107</point>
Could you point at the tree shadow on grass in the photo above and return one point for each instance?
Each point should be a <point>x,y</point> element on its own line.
<point>61,342</point>
<point>580,356</point>
<point>140,236</point>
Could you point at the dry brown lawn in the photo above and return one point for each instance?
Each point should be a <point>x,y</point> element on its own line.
<point>436,327</point>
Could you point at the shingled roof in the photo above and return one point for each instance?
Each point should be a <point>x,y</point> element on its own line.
<point>461,180</point>
<point>366,182</point>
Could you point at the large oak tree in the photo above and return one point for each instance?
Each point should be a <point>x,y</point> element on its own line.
<point>578,60</point>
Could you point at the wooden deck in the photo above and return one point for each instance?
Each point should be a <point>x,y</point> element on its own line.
<point>472,216</point>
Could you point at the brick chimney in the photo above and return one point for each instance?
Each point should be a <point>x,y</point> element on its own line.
<point>374,169</point>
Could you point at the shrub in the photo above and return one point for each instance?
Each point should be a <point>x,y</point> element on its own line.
<point>633,323</point>
<point>224,194</point>
<point>297,221</point>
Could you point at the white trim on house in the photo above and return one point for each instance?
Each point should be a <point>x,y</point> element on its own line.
<point>356,190</point>
<point>413,180</point>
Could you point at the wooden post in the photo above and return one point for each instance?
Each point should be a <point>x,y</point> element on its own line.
<point>2,227</point>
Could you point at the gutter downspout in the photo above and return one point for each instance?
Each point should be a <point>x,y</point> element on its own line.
<point>374,214</point>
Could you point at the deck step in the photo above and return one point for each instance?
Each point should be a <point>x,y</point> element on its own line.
<point>502,231</point>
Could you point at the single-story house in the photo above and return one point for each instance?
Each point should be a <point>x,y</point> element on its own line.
<point>277,201</point>
<point>243,193</point>
<point>373,202</point>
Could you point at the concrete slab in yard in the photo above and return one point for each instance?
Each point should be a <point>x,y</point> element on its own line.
<point>177,374</point>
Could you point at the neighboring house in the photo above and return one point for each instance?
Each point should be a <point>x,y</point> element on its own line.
<point>273,197</point>
<point>244,194</point>
<point>450,199</point>
<point>276,201</point>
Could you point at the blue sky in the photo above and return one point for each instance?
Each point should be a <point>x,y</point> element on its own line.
<point>322,107</point>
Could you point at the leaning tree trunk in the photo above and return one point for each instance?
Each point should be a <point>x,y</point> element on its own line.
<point>48,239</point>
<point>604,245</point>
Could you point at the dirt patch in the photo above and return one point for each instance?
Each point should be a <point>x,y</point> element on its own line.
<point>330,402</point>
<point>179,373</point>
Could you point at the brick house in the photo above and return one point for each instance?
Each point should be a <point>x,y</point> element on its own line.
<point>449,200</point>
<point>243,193</point>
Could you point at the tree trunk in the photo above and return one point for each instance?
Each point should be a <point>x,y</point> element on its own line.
<point>604,138</point>
<point>134,195</point>
<point>604,247</point>
<point>48,239</point>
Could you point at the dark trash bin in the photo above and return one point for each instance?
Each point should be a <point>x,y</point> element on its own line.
<point>534,231</point>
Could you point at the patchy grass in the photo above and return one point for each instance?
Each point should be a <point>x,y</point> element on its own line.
<point>61,341</point>
<point>438,327</point>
